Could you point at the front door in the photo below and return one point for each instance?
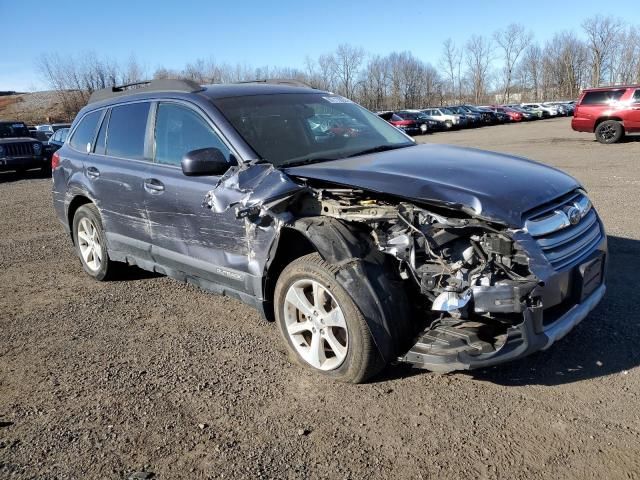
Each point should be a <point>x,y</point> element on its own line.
<point>188,237</point>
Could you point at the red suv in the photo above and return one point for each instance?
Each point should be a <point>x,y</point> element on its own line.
<point>609,112</point>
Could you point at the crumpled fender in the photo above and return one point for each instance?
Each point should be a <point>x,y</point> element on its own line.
<point>364,274</point>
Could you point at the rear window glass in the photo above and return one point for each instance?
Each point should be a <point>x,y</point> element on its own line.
<point>127,128</point>
<point>85,132</point>
<point>636,96</point>
<point>604,96</point>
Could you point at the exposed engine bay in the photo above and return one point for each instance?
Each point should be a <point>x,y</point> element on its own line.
<point>470,280</point>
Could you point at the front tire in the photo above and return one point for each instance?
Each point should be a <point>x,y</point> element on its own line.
<point>323,329</point>
<point>90,242</point>
<point>609,131</point>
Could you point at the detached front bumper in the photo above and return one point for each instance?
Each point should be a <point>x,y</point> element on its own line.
<point>528,337</point>
<point>564,299</point>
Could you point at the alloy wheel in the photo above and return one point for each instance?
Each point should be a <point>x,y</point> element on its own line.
<point>91,249</point>
<point>316,325</point>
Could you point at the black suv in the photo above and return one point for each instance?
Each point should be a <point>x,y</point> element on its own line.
<point>18,151</point>
<point>363,246</point>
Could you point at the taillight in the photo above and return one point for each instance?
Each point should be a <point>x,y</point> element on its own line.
<point>55,160</point>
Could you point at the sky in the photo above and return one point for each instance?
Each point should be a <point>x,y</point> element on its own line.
<point>260,33</point>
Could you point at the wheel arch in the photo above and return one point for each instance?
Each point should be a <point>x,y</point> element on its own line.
<point>77,201</point>
<point>604,119</point>
<point>363,271</point>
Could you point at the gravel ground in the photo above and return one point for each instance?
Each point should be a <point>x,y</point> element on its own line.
<point>101,380</point>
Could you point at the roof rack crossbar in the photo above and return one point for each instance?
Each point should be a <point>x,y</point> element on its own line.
<point>162,85</point>
<point>279,81</point>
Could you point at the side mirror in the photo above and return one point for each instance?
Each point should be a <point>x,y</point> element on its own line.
<point>204,161</point>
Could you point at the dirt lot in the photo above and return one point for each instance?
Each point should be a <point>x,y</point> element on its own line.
<point>99,380</point>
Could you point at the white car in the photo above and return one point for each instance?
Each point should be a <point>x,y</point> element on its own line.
<point>553,111</point>
<point>441,113</point>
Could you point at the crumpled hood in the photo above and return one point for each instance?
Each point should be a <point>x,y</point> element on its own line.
<point>487,184</point>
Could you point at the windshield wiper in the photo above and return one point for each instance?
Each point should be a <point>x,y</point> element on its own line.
<point>379,148</point>
<point>306,161</point>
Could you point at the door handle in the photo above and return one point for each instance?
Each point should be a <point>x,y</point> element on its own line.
<point>93,172</point>
<point>153,185</point>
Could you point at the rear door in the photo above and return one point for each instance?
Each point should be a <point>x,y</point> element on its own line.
<point>188,237</point>
<point>116,170</point>
<point>633,117</point>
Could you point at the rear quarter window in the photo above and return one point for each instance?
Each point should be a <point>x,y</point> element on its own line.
<point>85,132</point>
<point>601,97</point>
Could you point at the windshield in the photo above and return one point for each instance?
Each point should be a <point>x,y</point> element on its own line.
<point>8,130</point>
<point>289,129</point>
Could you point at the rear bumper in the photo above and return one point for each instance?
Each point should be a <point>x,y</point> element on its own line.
<point>582,124</point>
<point>21,163</point>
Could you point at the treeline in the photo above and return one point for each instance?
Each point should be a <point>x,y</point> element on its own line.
<point>506,66</point>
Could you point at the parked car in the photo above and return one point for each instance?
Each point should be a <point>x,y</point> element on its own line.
<point>514,115</point>
<point>56,140</point>
<point>501,116</point>
<point>450,119</point>
<point>538,112</point>
<point>471,119</point>
<point>18,150</point>
<point>483,117</point>
<point>365,250</point>
<point>50,128</point>
<point>547,110</point>
<point>408,126</point>
<point>609,112</point>
<point>424,122</point>
<point>526,114</point>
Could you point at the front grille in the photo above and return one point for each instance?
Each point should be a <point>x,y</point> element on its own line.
<point>18,149</point>
<point>562,242</point>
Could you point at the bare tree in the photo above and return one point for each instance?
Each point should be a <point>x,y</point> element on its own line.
<point>478,58</point>
<point>602,34</point>
<point>451,61</point>
<point>512,41</point>
<point>346,62</point>
<point>531,69</point>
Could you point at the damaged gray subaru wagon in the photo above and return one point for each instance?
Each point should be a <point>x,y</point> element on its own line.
<point>364,247</point>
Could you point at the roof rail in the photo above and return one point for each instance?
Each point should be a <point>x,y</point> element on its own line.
<point>280,81</point>
<point>162,85</point>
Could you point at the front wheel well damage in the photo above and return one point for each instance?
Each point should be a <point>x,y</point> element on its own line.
<point>363,271</point>
<point>292,245</point>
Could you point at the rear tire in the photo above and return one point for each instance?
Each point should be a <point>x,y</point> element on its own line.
<point>90,243</point>
<point>300,317</point>
<point>609,131</point>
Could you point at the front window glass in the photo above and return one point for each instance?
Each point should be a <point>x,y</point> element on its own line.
<point>636,96</point>
<point>290,129</point>
<point>180,130</point>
